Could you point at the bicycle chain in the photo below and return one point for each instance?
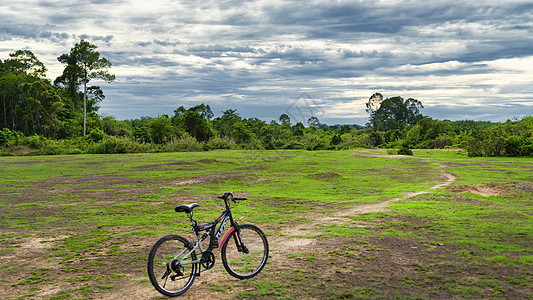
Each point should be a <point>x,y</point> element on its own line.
<point>208,260</point>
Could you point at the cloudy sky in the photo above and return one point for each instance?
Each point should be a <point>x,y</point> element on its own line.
<point>461,59</point>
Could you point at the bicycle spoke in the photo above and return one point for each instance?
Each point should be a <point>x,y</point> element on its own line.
<point>245,256</point>
<point>164,259</point>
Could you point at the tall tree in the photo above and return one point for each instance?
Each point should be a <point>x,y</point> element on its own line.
<point>224,123</point>
<point>84,63</point>
<point>373,104</point>
<point>394,113</point>
<point>314,122</point>
<point>285,120</point>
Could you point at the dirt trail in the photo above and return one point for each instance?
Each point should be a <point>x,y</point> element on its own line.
<point>382,206</point>
<point>291,240</point>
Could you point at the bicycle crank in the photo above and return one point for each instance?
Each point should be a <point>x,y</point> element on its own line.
<point>208,260</point>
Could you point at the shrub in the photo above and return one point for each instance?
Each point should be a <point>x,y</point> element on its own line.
<point>183,144</point>
<point>220,143</point>
<point>96,135</point>
<point>404,150</point>
<point>442,141</point>
<point>507,139</point>
<point>115,145</point>
<point>6,135</point>
<point>36,141</point>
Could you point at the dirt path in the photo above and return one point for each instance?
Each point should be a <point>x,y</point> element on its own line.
<point>291,239</point>
<point>382,206</point>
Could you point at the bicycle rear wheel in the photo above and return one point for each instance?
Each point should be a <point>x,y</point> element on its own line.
<point>167,275</point>
<point>247,259</point>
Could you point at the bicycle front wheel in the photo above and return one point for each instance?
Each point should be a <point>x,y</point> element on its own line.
<point>168,269</point>
<point>247,259</point>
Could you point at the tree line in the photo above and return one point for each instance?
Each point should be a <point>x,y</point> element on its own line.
<point>61,117</point>
<point>32,104</point>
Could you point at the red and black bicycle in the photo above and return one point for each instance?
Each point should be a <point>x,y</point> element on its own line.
<point>175,261</point>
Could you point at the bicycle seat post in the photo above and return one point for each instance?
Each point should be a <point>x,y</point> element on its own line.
<point>193,221</point>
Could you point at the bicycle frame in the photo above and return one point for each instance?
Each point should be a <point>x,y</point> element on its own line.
<point>172,273</point>
<point>213,235</point>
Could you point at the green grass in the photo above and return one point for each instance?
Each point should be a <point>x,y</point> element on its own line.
<point>504,226</point>
<point>103,212</point>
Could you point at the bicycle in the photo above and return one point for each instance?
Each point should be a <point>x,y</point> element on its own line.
<point>173,262</point>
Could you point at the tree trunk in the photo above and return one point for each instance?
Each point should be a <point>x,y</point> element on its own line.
<point>84,103</point>
<point>5,112</point>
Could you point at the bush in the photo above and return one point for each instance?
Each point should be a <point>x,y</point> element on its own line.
<point>220,143</point>
<point>183,144</point>
<point>404,150</point>
<point>36,141</point>
<point>507,139</point>
<point>96,135</point>
<point>6,136</point>
<point>116,145</point>
<point>442,141</point>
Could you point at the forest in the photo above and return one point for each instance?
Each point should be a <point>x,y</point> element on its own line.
<point>61,117</point>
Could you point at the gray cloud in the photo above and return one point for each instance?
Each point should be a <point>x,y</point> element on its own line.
<point>259,56</point>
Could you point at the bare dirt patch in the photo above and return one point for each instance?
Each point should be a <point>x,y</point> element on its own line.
<point>483,190</point>
<point>213,178</point>
<point>328,175</point>
<point>209,161</point>
<point>18,151</point>
<point>524,187</point>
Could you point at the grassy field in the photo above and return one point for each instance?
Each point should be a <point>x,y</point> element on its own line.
<point>341,224</point>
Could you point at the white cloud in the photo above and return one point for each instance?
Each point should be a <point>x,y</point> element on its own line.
<point>463,59</point>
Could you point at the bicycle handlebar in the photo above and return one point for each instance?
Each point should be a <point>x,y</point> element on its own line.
<point>229,196</point>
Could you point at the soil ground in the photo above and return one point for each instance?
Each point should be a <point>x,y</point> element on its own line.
<point>304,262</point>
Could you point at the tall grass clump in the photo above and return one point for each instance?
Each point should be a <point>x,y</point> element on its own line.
<point>221,143</point>
<point>115,145</point>
<point>182,144</point>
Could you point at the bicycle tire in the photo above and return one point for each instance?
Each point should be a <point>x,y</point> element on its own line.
<point>160,264</point>
<point>245,265</point>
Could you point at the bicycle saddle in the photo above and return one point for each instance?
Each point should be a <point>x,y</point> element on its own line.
<point>186,208</point>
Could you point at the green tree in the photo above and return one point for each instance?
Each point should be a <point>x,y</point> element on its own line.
<point>345,129</point>
<point>194,121</point>
<point>197,126</point>
<point>240,133</point>
<point>203,110</point>
<point>336,139</point>
<point>298,129</point>
<point>314,122</point>
<point>25,62</point>
<point>95,95</point>
<point>161,129</point>
<point>114,127</point>
<point>393,113</point>
<point>285,120</point>
<point>84,63</point>
<point>10,92</point>
<point>225,123</point>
